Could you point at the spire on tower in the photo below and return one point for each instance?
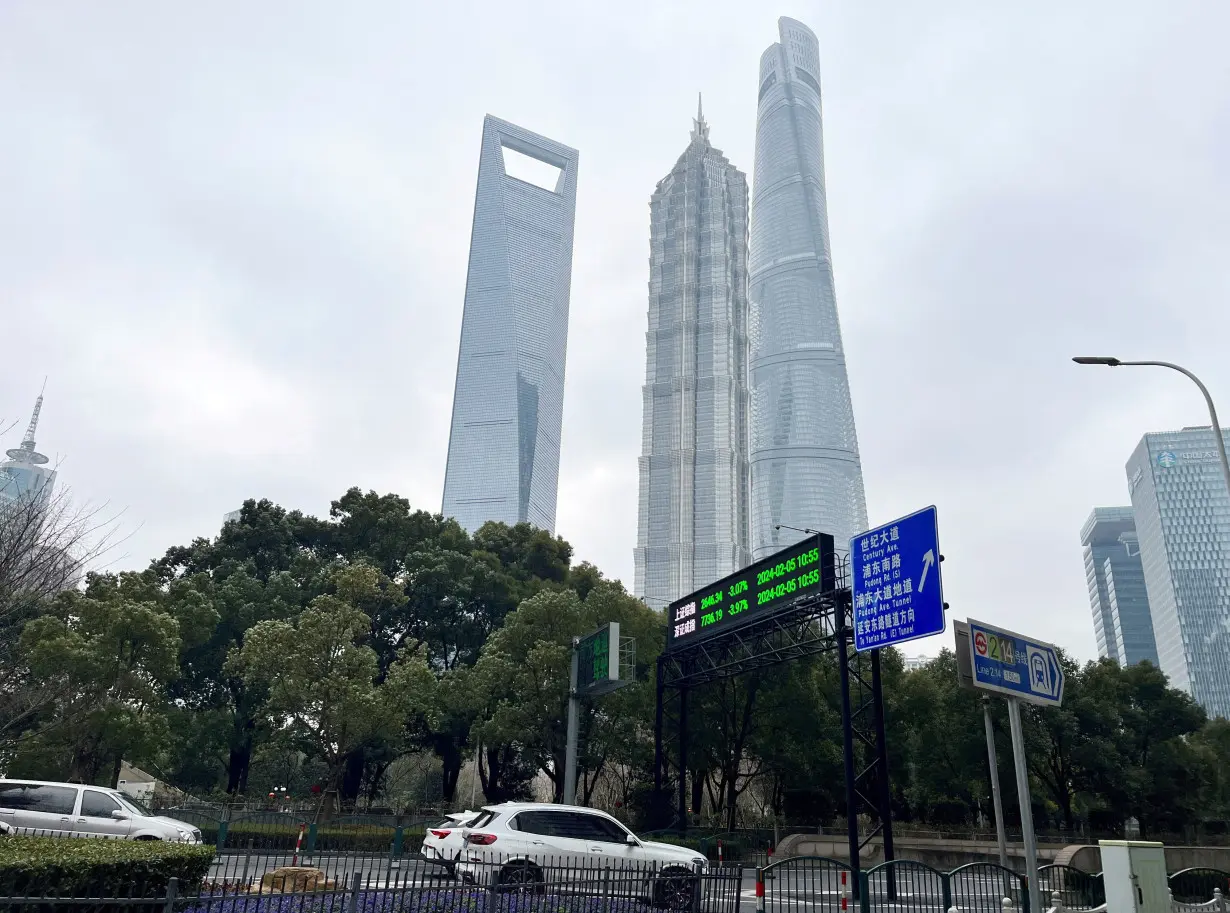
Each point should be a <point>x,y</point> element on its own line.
<point>700,130</point>
<point>26,452</point>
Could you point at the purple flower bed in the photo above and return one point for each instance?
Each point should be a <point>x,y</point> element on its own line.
<point>410,901</point>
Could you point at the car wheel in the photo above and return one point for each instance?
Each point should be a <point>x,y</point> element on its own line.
<point>675,890</point>
<point>521,878</point>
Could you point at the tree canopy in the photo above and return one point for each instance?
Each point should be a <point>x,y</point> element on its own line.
<point>382,646</point>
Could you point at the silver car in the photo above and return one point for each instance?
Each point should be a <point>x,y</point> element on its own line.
<point>72,810</point>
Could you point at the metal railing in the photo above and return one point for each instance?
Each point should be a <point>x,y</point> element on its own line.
<point>823,885</point>
<point>489,885</point>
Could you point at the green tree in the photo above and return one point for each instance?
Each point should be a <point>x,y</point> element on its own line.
<point>260,567</point>
<point>320,680</point>
<point>521,685</point>
<point>108,654</point>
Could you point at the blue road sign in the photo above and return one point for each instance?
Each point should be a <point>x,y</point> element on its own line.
<point>896,581</point>
<point>1015,665</point>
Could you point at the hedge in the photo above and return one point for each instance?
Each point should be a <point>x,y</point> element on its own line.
<point>69,867</point>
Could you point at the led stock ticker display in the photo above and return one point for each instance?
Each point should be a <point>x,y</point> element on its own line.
<point>803,569</point>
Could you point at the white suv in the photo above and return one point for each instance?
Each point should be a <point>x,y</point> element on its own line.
<point>528,846</point>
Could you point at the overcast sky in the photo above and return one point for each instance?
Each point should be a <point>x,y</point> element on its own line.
<point>234,236</point>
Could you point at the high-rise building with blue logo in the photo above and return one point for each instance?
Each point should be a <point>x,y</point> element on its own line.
<point>693,510</point>
<point>1122,623</point>
<point>1182,513</point>
<point>805,468</point>
<point>504,444</point>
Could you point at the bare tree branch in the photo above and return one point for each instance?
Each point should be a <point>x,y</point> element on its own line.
<point>47,545</point>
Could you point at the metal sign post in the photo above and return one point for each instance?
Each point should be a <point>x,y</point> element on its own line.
<point>599,661</point>
<point>965,677</point>
<point>1024,669</point>
<point>1027,815</point>
<point>996,798</point>
<point>574,724</point>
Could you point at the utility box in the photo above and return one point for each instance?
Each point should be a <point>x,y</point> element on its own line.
<point>1134,874</point>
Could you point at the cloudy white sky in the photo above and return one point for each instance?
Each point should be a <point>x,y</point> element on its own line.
<point>234,236</point>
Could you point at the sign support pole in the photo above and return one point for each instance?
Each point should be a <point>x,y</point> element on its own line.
<point>574,722</point>
<point>683,760</point>
<point>885,809</point>
<point>996,797</point>
<point>847,730</point>
<point>1027,816</point>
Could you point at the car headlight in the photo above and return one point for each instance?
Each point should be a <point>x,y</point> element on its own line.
<point>698,861</point>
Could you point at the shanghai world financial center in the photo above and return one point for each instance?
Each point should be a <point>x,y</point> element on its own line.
<point>748,427</point>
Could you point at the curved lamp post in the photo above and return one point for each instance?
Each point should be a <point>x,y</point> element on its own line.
<point>1217,435</point>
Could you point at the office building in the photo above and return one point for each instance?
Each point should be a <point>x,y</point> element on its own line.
<point>25,474</point>
<point>1122,623</point>
<point>503,448</point>
<point>1183,520</point>
<point>693,509</point>
<point>805,468</point>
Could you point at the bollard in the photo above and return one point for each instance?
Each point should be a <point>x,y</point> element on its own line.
<point>719,851</point>
<point>845,891</point>
<point>294,861</point>
<point>759,889</point>
<point>1056,902</point>
<point>1219,901</point>
<point>172,896</point>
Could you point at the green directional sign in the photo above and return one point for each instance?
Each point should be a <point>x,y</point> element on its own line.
<point>598,661</point>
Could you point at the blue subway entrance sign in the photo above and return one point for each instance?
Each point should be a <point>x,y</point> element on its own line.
<point>1015,665</point>
<point>895,573</point>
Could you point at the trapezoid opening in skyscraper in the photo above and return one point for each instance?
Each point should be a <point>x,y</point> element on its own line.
<point>804,459</point>
<point>504,443</point>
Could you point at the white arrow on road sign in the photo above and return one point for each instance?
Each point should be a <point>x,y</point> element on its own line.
<point>928,560</point>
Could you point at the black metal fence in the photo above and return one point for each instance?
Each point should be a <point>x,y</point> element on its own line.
<point>822,885</point>
<point>545,886</point>
<point>273,881</point>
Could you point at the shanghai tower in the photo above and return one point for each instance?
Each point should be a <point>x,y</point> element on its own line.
<point>693,512</point>
<point>805,468</point>
<point>503,448</point>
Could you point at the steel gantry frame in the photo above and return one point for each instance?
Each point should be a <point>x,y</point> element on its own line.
<point>812,625</point>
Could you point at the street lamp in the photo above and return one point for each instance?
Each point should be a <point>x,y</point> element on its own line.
<point>798,529</point>
<point>1217,435</point>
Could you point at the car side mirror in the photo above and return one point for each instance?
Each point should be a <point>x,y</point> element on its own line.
<point>632,841</point>
<point>120,815</point>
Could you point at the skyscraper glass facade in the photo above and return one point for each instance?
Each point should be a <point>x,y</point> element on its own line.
<point>1183,521</point>
<point>1122,623</point>
<point>805,468</point>
<point>693,511</point>
<point>503,449</point>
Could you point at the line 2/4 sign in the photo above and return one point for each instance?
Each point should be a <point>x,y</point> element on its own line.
<point>1001,649</point>
<point>1015,665</point>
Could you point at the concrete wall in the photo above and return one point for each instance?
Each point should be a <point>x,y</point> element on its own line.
<point>947,855</point>
<point>1089,858</point>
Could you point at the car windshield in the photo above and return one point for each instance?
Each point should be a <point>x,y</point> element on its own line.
<point>133,805</point>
